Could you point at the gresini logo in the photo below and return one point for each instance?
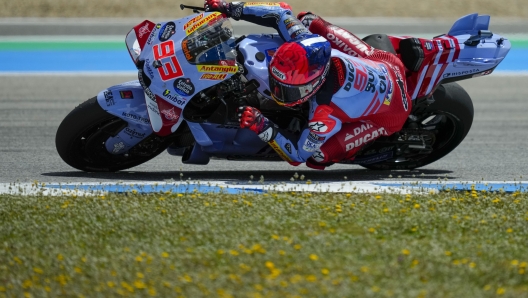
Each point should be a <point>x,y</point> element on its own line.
<point>170,114</point>
<point>461,73</point>
<point>217,68</point>
<point>143,30</point>
<point>278,74</point>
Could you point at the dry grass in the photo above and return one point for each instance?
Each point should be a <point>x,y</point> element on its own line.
<point>328,8</point>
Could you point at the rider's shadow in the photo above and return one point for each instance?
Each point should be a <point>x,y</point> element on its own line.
<point>268,176</point>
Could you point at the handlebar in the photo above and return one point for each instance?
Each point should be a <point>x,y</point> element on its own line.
<point>194,8</point>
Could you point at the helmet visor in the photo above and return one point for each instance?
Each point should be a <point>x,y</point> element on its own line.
<point>289,94</point>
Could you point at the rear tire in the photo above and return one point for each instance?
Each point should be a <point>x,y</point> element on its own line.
<point>451,101</point>
<point>81,137</point>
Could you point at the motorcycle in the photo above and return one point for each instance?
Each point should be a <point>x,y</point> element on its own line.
<point>194,72</point>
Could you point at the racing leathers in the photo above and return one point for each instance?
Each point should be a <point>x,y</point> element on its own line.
<point>364,97</point>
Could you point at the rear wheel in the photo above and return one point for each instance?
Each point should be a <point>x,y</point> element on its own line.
<point>441,127</point>
<point>81,137</point>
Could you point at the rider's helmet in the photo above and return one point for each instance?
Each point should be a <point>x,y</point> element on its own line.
<point>298,69</point>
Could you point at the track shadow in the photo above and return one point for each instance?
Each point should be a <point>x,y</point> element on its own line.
<point>244,176</point>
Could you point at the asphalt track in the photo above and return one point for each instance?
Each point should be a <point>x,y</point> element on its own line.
<point>32,107</point>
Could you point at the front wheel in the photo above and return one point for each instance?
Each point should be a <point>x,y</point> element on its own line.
<point>81,137</point>
<point>443,125</point>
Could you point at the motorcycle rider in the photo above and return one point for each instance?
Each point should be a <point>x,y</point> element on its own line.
<point>356,93</point>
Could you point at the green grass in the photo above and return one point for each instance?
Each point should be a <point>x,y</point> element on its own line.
<point>267,245</point>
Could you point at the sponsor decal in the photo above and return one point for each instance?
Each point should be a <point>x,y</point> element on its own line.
<point>293,28</point>
<point>183,86</point>
<point>169,67</point>
<point>318,127</point>
<point>357,76</point>
<point>299,32</point>
<point>170,114</point>
<point>279,151</point>
<point>153,107</point>
<point>142,31</point>
<point>149,69</point>
<point>357,131</point>
<point>167,31</point>
<point>318,156</point>
<point>429,45</point>
<point>134,133</point>
<point>217,68</point>
<point>136,118</point>
<point>278,74</point>
<point>152,34</point>
<point>403,92</point>
<point>174,98</point>
<point>461,73</point>
<point>145,87</point>
<point>313,142</point>
<point>388,97</point>
<point>118,147</point>
<point>214,76</point>
<point>109,98</point>
<point>261,4</point>
<point>193,20</point>
<point>348,37</point>
<point>288,147</point>
<point>212,17</point>
<point>266,135</point>
<point>126,94</point>
<point>361,140</point>
<point>289,21</point>
<point>186,52</point>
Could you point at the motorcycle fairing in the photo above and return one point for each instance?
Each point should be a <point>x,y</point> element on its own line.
<point>126,101</point>
<point>450,57</point>
<point>255,64</point>
<point>170,80</point>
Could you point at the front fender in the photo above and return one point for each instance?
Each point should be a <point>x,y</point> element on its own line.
<point>126,101</point>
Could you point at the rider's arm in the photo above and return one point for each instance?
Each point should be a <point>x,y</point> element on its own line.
<point>291,148</point>
<point>276,15</point>
<point>321,127</point>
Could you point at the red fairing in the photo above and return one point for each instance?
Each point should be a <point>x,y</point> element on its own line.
<point>170,115</point>
<point>340,39</point>
<point>143,31</point>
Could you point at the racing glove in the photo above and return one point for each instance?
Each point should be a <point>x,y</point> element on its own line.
<point>252,118</point>
<point>306,18</point>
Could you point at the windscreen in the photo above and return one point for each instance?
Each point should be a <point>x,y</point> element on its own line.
<point>210,41</point>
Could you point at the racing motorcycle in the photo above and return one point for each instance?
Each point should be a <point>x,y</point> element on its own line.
<point>194,72</point>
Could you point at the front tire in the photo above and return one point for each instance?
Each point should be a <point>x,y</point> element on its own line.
<point>453,106</point>
<point>81,137</point>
